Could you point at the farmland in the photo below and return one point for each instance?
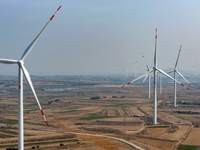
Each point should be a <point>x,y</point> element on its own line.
<point>97,105</point>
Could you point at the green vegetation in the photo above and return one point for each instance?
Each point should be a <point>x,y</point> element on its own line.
<point>40,143</point>
<point>187,147</point>
<point>40,124</point>
<point>95,97</point>
<point>50,142</point>
<point>164,126</point>
<point>12,121</point>
<point>122,105</point>
<point>2,135</point>
<point>100,115</point>
<point>8,131</point>
<point>189,106</point>
<point>93,117</point>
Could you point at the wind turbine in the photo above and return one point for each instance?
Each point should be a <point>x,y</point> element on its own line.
<point>125,68</point>
<point>149,78</point>
<point>148,75</point>
<point>125,72</point>
<point>176,71</point>
<point>22,70</point>
<point>135,69</point>
<point>154,70</point>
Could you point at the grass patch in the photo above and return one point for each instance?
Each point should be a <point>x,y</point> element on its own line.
<point>2,135</point>
<point>40,143</point>
<point>122,105</point>
<point>39,124</point>
<point>95,117</point>
<point>8,132</point>
<point>100,115</point>
<point>12,121</point>
<point>187,147</point>
<point>165,126</point>
<point>189,106</point>
<point>50,142</point>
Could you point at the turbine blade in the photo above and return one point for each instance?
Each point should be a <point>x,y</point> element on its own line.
<point>8,61</point>
<point>137,78</point>
<point>172,78</point>
<point>147,65</point>
<point>29,48</point>
<point>170,71</point>
<point>145,78</point>
<point>28,78</point>
<point>178,56</point>
<point>184,78</point>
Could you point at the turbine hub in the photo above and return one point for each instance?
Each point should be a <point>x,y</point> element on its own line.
<point>20,62</point>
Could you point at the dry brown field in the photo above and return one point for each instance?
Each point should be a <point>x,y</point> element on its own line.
<point>97,106</point>
<point>193,137</point>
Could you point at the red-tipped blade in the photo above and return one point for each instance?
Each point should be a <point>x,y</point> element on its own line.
<point>42,112</point>
<point>31,45</point>
<point>191,85</point>
<point>47,124</point>
<point>138,78</point>
<point>55,13</point>
<point>156,36</point>
<point>51,17</point>
<point>58,8</point>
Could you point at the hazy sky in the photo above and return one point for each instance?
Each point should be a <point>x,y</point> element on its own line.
<point>98,36</point>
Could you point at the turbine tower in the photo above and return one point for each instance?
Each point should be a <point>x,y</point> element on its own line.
<point>22,70</point>
<point>176,71</point>
<point>154,70</point>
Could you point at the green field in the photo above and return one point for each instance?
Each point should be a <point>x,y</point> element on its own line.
<point>187,147</point>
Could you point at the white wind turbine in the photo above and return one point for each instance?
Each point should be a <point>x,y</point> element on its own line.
<point>135,67</point>
<point>124,72</point>
<point>22,70</point>
<point>148,75</point>
<point>149,79</point>
<point>125,68</point>
<point>176,71</point>
<point>154,70</point>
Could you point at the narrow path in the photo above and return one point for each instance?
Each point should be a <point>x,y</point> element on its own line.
<point>65,129</point>
<point>110,137</point>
